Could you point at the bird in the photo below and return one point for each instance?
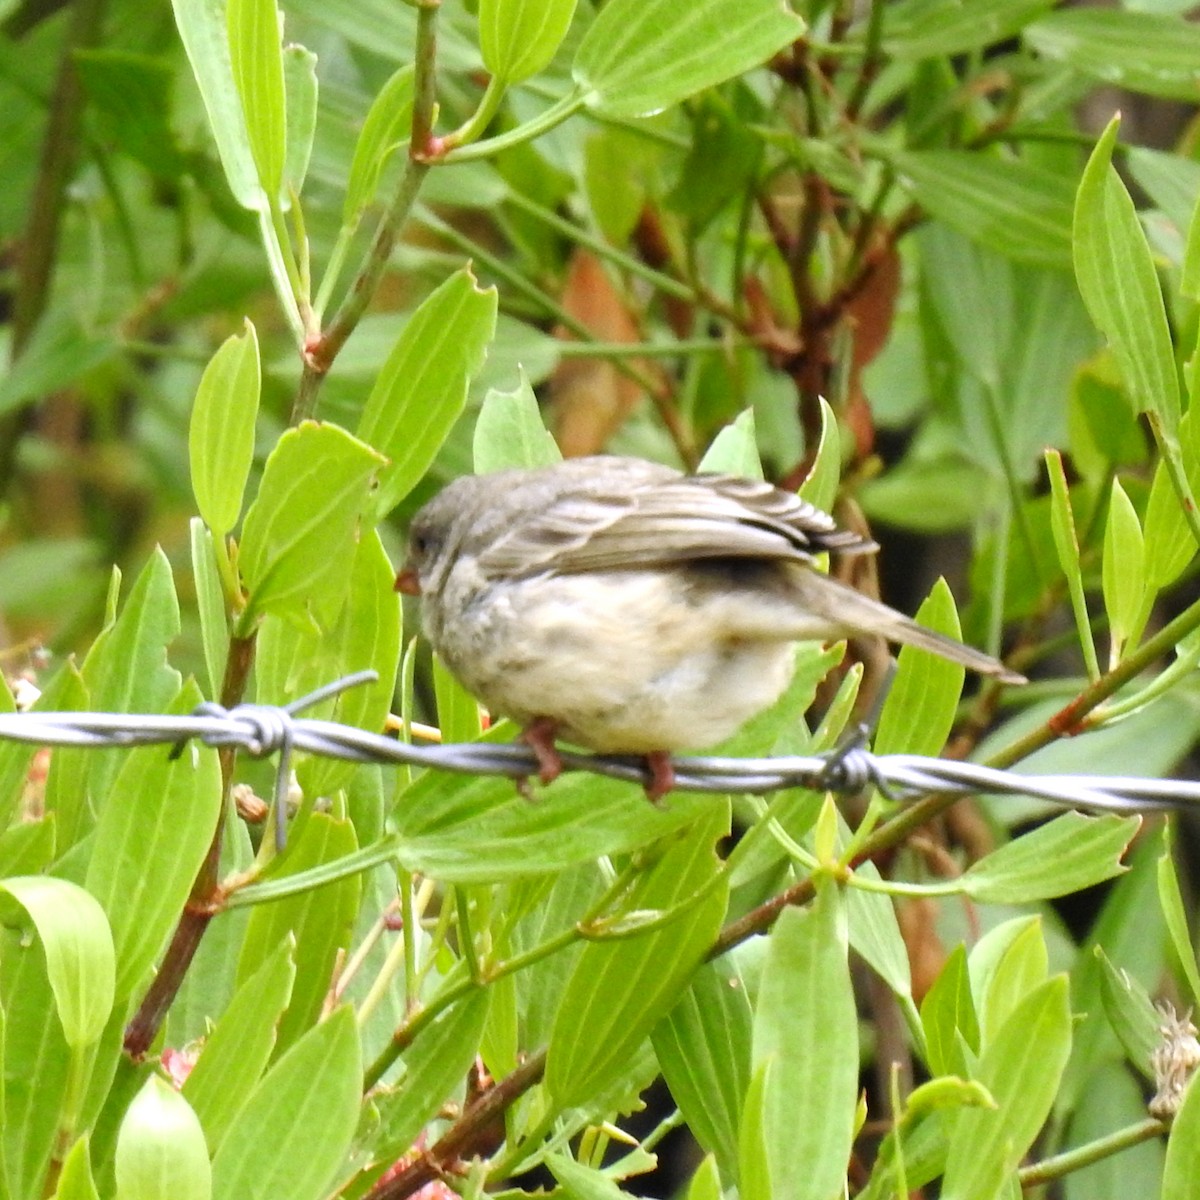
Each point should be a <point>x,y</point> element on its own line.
<point>626,607</point>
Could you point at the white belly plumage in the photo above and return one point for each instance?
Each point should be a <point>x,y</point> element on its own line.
<point>622,666</point>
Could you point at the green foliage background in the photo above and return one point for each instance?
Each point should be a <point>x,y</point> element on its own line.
<point>263,295</point>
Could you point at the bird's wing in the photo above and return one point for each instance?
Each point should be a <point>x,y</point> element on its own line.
<point>658,521</point>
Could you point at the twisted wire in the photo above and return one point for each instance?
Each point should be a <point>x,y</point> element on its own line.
<point>262,730</point>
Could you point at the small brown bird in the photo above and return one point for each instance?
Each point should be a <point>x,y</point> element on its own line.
<point>631,609</point>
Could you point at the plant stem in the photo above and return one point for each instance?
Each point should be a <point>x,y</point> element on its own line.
<point>205,899</point>
<point>320,351</point>
<point>1083,1156</point>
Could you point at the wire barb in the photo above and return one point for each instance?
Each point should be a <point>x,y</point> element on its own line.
<point>262,730</point>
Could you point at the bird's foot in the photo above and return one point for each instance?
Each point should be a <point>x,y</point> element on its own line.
<point>661,778</point>
<point>538,735</point>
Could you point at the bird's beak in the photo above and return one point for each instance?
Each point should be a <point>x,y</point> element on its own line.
<point>408,583</point>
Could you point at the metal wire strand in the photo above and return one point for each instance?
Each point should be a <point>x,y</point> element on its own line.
<point>262,730</point>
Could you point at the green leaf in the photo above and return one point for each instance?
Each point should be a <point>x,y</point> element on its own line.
<point>1021,1069</point>
<point>1171,899</point>
<point>300,87</point>
<point>703,1048</point>
<point>1098,43</point>
<point>806,1031</point>
<point>387,125</point>
<point>210,605</point>
<point>205,36</point>
<point>1021,965</point>
<point>1131,1013</point>
<point>1124,573</point>
<point>458,714</point>
<point>734,450</point>
<point>518,38</point>
<point>76,1182</point>
<point>150,841</point>
<point>641,56</point>
<point>876,937</point>
<point>1020,211</point>
<point>126,669</point>
<point>367,637</point>
<point>820,488</point>
<point>321,920</point>
<point>160,1151</point>
<point>620,989</point>
<point>919,29</point>
<point>435,1066</point>
<point>948,1016</point>
<point>1181,1171</point>
<point>298,537</point>
<point>706,1182</point>
<point>1066,544</point>
<point>923,699</point>
<point>480,830</point>
<point>60,350</point>
<point>1120,287</point>
<point>1168,539</point>
<point>1065,855</point>
<point>306,1110</point>
<point>237,1051</point>
<point>509,431</point>
<point>256,58</point>
<point>221,432</point>
<point>422,389</point>
<point>78,947</point>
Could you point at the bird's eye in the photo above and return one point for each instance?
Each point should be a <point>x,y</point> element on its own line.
<point>422,543</point>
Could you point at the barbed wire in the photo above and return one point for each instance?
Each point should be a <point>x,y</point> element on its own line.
<point>261,730</point>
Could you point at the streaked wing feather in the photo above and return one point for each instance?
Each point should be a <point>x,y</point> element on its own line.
<point>664,521</point>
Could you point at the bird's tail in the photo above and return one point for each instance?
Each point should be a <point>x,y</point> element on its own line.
<point>852,614</point>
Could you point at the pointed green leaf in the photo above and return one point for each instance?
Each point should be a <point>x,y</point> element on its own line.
<point>320,919</point>
<point>509,431</point>
<point>76,1182</point>
<point>256,57</point>
<point>620,989</point>
<point>1181,1171</point>
<point>1062,522</point>
<point>237,1051</point>
<point>641,56</point>
<point>806,1029</point>
<point>150,841</point>
<point>298,538</point>
<point>306,1110</point>
<point>1131,1013</point>
<point>422,389</point>
<point>1124,574</point>
<point>820,488</point>
<point>948,1016</point>
<point>221,432</point>
<point>435,1066</point>
<point>1120,287</point>
<point>703,1048</point>
<point>300,87</point>
<point>923,699</point>
<point>388,123</point>
<point>1171,899</point>
<point>1021,1069</point>
<point>204,33</point>
<point>210,605</point>
<point>160,1150</point>
<point>734,450</point>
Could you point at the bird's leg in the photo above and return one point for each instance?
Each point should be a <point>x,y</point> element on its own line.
<point>538,735</point>
<point>662,775</point>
